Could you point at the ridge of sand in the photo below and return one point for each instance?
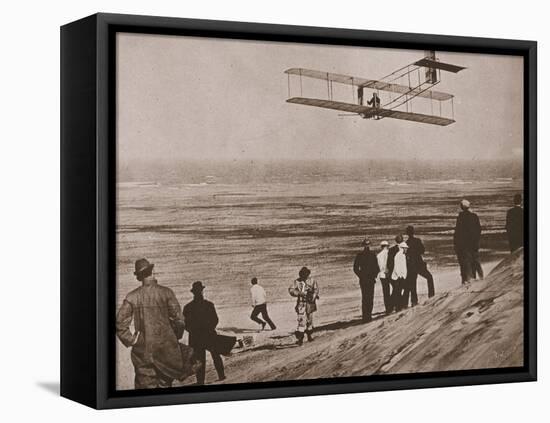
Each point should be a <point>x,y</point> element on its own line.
<point>473,327</point>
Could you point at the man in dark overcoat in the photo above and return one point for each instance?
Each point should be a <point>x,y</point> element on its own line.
<point>158,324</point>
<point>467,236</point>
<point>201,320</point>
<point>366,268</point>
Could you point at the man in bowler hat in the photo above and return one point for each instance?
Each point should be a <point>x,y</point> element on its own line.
<point>158,325</point>
<point>201,320</point>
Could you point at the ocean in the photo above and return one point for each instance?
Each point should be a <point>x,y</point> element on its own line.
<point>226,222</point>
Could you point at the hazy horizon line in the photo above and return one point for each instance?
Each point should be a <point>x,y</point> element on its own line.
<point>277,160</point>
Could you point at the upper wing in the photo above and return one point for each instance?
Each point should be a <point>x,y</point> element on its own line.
<point>370,83</point>
<point>370,111</point>
<point>429,63</point>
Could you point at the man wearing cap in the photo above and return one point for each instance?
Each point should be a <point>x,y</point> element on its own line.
<point>158,325</point>
<point>383,275</point>
<point>466,239</point>
<point>417,265</point>
<point>201,320</point>
<point>366,268</point>
<point>514,224</point>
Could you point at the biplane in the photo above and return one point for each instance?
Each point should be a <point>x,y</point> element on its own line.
<point>413,81</point>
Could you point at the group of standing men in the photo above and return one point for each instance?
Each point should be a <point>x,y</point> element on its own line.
<point>467,236</point>
<point>397,268</point>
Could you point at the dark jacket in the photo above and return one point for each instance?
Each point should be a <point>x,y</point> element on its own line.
<point>514,227</point>
<point>365,265</point>
<point>416,249</point>
<point>157,316</point>
<point>467,231</point>
<point>201,320</point>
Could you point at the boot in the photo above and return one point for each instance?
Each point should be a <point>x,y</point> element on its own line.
<point>309,337</point>
<point>300,337</point>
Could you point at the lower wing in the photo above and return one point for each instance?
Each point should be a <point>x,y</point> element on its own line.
<point>371,111</point>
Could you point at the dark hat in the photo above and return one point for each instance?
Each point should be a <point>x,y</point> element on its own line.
<point>142,265</point>
<point>365,242</point>
<point>410,229</point>
<point>304,272</point>
<point>197,287</point>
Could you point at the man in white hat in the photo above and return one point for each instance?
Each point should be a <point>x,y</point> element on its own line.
<point>466,241</point>
<point>383,275</point>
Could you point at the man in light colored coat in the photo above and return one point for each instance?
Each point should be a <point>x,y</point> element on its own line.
<point>399,277</point>
<point>158,324</point>
<point>383,275</point>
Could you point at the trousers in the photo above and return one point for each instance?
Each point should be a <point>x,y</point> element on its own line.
<point>200,356</point>
<point>262,309</point>
<point>367,297</point>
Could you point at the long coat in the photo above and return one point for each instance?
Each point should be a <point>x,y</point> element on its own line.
<point>365,266</point>
<point>416,249</point>
<point>390,264</point>
<point>201,320</point>
<point>467,231</point>
<point>157,318</point>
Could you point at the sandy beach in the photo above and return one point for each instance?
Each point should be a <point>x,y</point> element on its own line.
<point>268,219</point>
<point>335,313</point>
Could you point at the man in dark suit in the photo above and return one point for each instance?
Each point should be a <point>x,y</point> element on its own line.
<point>366,268</point>
<point>514,224</point>
<point>466,241</point>
<point>201,320</point>
<point>417,266</point>
<point>395,296</point>
<point>158,324</point>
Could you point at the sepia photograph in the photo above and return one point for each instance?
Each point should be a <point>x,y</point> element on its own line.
<point>289,211</point>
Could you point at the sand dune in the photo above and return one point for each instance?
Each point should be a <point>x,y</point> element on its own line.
<point>474,327</point>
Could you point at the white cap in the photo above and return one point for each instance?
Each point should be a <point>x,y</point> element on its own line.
<point>465,203</point>
<point>384,243</point>
<point>404,245</point>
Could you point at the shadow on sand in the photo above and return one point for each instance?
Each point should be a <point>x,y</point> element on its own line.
<point>347,323</point>
<point>237,330</point>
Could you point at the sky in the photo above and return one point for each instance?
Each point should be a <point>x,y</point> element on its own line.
<point>186,98</point>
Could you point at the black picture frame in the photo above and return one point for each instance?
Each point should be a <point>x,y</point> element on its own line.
<point>88,208</point>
